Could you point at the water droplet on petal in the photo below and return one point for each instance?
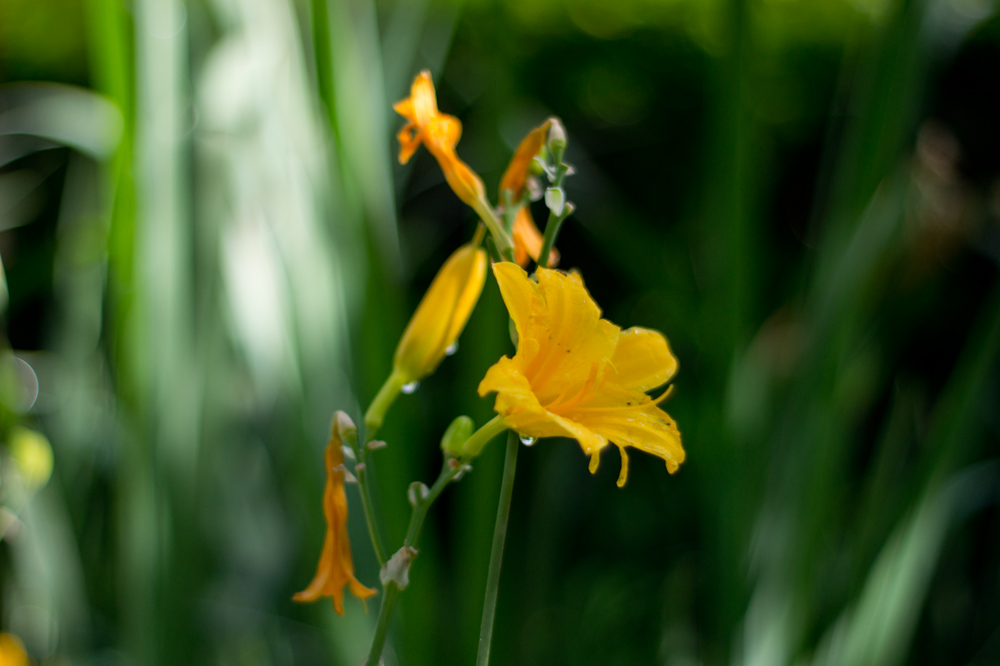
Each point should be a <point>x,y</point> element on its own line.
<point>410,388</point>
<point>528,440</point>
<point>451,349</point>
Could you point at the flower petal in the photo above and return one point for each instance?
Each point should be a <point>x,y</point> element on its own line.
<point>623,474</point>
<point>521,296</point>
<point>410,139</point>
<point>404,107</point>
<point>517,171</point>
<point>648,428</point>
<point>518,406</point>
<point>642,359</point>
<point>423,98</point>
<point>462,180</point>
<point>573,331</point>
<point>444,132</point>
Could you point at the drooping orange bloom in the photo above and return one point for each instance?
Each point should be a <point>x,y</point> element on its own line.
<point>578,375</point>
<point>336,567</point>
<point>527,237</point>
<point>439,132</point>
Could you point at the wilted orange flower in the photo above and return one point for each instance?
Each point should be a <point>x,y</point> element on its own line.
<point>578,375</point>
<point>527,237</point>
<point>336,567</point>
<point>440,133</point>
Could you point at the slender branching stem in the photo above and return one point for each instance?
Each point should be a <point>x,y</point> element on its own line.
<point>394,582</point>
<point>496,554</point>
<point>361,472</point>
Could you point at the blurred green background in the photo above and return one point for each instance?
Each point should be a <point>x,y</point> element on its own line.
<point>208,247</point>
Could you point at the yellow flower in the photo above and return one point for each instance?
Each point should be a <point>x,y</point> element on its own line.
<point>577,375</point>
<point>527,238</point>
<point>12,651</point>
<point>442,314</point>
<point>440,133</point>
<point>336,567</point>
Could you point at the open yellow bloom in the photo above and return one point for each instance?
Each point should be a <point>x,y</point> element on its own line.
<point>440,133</point>
<point>442,314</point>
<point>527,238</point>
<point>336,567</point>
<point>578,375</point>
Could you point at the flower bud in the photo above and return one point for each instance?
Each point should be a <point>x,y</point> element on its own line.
<point>455,436</point>
<point>345,428</point>
<point>555,200</point>
<point>441,315</point>
<point>557,138</point>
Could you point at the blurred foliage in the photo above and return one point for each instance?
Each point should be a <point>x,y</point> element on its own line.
<point>208,248</point>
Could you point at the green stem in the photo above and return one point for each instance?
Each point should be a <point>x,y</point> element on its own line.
<point>391,591</point>
<point>389,597</point>
<point>382,402</point>
<point>373,421</point>
<point>480,235</point>
<point>474,445</point>
<point>361,472</point>
<point>554,222</point>
<point>500,236</point>
<point>509,210</point>
<point>496,555</point>
<point>551,231</point>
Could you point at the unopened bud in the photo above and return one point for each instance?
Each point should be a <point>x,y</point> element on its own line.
<point>555,200</point>
<point>345,427</point>
<point>397,569</point>
<point>455,436</point>
<point>441,315</point>
<point>557,139</point>
<point>417,493</point>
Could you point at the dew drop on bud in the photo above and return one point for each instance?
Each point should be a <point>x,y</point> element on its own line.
<point>410,388</point>
<point>451,349</point>
<point>528,440</point>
